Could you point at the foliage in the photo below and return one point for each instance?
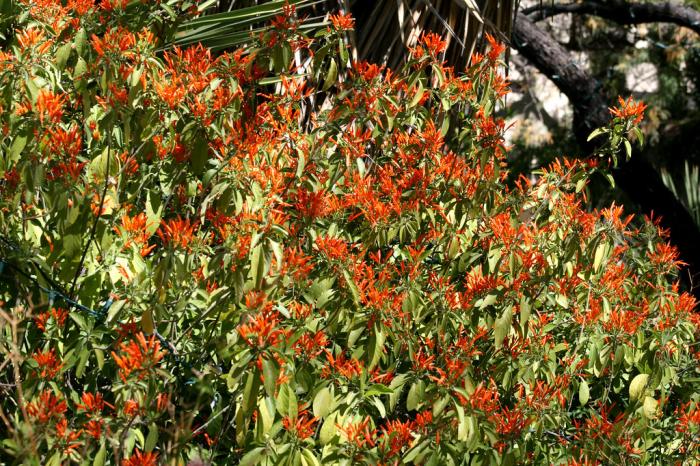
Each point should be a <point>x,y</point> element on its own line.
<point>235,259</point>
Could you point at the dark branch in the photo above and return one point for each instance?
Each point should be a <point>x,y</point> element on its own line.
<point>623,12</point>
<point>638,178</point>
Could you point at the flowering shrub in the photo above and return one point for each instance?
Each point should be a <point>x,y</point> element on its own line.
<point>279,256</point>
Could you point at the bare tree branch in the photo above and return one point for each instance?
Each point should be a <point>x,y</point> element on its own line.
<point>637,177</point>
<point>623,12</point>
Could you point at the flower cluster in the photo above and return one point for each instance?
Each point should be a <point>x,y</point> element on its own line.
<point>277,255</point>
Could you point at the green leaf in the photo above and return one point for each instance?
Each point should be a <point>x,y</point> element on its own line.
<point>267,415</point>
<point>375,348</point>
<point>562,300</point>
<point>638,386</point>
<point>270,373</point>
<point>328,429</point>
<point>331,75</point>
<point>598,257</point>
<point>308,458</point>
<point>199,155</point>
<point>257,265</point>
<point>583,392</point>
<point>18,144</point>
<point>486,301</point>
<point>301,163</point>
<point>151,438</point>
<point>525,311</point>
<point>596,133</point>
<point>55,460</point>
<point>79,70</point>
<point>82,362</point>
<point>322,403</point>
<point>418,95</point>
<point>105,164</point>
<point>502,326</point>
<point>250,392</point>
<point>413,399</point>
<point>287,404</point>
<point>254,456</point>
<point>62,55</point>
<point>80,42</point>
<point>650,408</point>
<point>352,287</point>
<point>628,148</point>
<point>100,456</point>
<point>100,357</point>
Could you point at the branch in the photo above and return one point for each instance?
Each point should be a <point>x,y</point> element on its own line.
<point>623,12</point>
<point>637,177</point>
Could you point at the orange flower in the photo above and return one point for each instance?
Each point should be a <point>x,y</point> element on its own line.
<point>138,355</point>
<point>131,408</point>
<point>430,43</point>
<point>162,401</point>
<point>48,363</point>
<point>359,433</point>
<point>49,104</point>
<point>342,21</point>
<point>689,418</point>
<point>262,331</point>
<point>310,345</point>
<point>92,403</point>
<point>333,248</point>
<point>111,5</point>
<point>139,458</point>
<point>347,368</point>
<point>302,426</point>
<point>136,228</point>
<point>46,407</point>
<point>629,109</point>
<point>94,428</point>
<point>29,37</point>
<point>58,314</point>
<point>178,232</point>
<point>510,422</point>
<point>396,435</point>
<point>496,48</point>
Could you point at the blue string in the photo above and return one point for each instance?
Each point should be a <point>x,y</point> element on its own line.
<point>98,315</point>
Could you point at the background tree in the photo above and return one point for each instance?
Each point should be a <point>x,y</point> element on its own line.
<point>654,180</point>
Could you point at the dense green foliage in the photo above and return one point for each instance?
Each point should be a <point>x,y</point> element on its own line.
<point>280,256</point>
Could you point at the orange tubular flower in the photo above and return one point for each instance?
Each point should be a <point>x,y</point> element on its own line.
<point>342,22</point>
<point>50,106</point>
<point>359,433</point>
<point>46,407</point>
<point>262,331</point>
<point>347,368</point>
<point>136,228</point>
<point>138,355</point>
<point>629,109</point>
<point>93,403</point>
<point>496,48</point>
<point>333,248</point>
<point>139,458</point>
<point>178,232</point>
<point>48,363</point>
<point>94,428</point>
<point>131,408</point>
<point>303,426</point>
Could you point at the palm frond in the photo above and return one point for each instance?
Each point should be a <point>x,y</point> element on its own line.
<point>385,29</point>
<point>233,28</point>
<point>686,188</point>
